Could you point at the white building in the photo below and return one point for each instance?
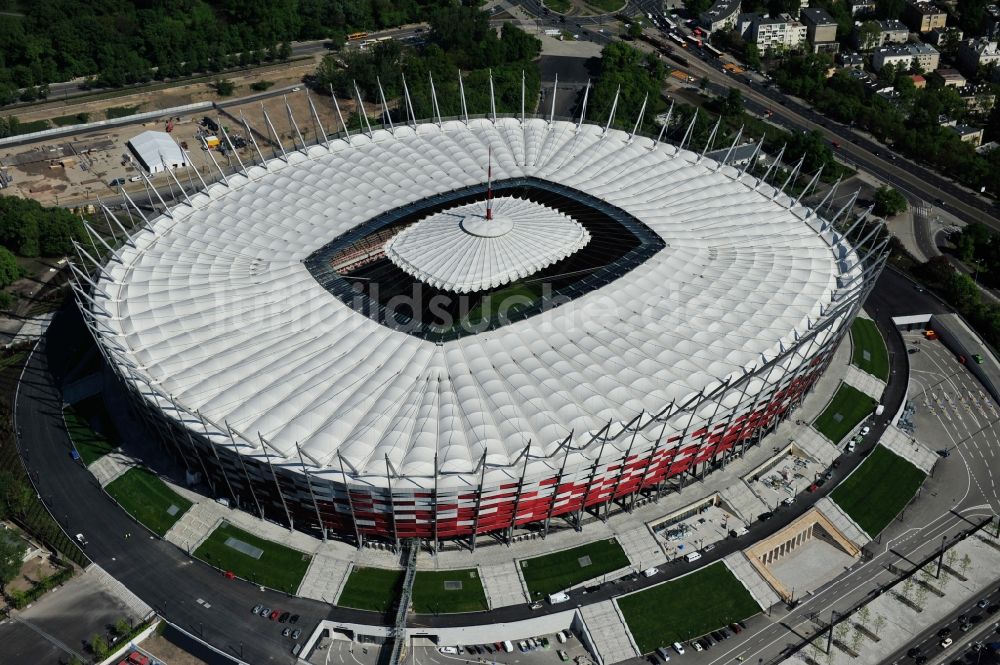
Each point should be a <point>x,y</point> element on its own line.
<point>721,15</point>
<point>157,152</point>
<point>781,32</point>
<point>975,52</point>
<point>906,56</point>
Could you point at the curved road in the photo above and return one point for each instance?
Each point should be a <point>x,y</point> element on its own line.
<point>173,583</point>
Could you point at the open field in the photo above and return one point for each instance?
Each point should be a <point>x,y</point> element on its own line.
<point>91,444</point>
<point>278,567</point>
<point>847,408</point>
<point>148,499</point>
<point>869,353</point>
<point>371,589</point>
<point>430,595</point>
<point>560,570</point>
<point>878,489</point>
<point>687,607</point>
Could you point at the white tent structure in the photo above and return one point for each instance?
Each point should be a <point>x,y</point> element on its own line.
<point>157,152</point>
<point>211,318</point>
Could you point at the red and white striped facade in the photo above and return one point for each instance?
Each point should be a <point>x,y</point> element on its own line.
<point>298,409</point>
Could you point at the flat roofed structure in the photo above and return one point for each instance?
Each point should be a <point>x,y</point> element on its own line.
<point>157,152</point>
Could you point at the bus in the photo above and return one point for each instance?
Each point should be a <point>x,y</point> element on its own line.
<point>714,51</point>
<point>355,36</point>
<point>693,40</point>
<point>677,40</point>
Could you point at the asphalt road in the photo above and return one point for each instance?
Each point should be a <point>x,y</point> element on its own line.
<point>983,622</point>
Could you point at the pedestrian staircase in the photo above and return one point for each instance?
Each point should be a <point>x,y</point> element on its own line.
<point>398,634</point>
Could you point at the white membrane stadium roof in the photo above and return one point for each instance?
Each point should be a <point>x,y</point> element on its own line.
<point>458,249</point>
<point>215,308</point>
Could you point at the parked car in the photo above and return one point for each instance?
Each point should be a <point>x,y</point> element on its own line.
<point>679,648</point>
<point>296,633</point>
<point>286,632</point>
<point>273,616</point>
<point>81,540</point>
<point>257,608</point>
<point>451,650</point>
<point>284,617</point>
<point>865,430</point>
<point>946,642</point>
<point>265,611</point>
<point>293,619</point>
<point>563,656</point>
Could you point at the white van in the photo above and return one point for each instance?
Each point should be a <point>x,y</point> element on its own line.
<point>560,597</point>
<point>561,636</point>
<point>693,556</point>
<point>649,572</point>
<point>507,646</point>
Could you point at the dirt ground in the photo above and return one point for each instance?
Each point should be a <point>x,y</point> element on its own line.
<point>168,652</point>
<point>79,169</point>
<point>33,571</point>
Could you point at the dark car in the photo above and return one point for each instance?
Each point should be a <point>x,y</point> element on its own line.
<point>293,619</point>
<point>914,652</point>
<point>763,517</point>
<point>284,617</point>
<point>944,632</point>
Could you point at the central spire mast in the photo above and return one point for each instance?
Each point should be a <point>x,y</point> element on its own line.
<point>489,184</point>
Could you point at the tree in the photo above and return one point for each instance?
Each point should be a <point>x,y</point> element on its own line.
<point>11,551</point>
<point>224,87</point>
<point>864,616</point>
<point>122,627</point>
<point>965,564</point>
<point>751,55</point>
<point>920,595</point>
<point>889,202</point>
<point>99,646</point>
<point>868,35</point>
<point>634,30</point>
<point>732,105</point>
<point>878,624</point>
<point>9,270</point>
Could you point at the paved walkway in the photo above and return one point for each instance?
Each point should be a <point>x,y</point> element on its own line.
<point>112,465</point>
<point>748,576</point>
<point>607,628</point>
<point>903,623</point>
<point>909,449</point>
<point>117,589</point>
<point>498,562</point>
<point>865,382</point>
<point>843,522</point>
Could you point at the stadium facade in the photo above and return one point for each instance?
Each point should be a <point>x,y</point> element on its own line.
<point>668,311</point>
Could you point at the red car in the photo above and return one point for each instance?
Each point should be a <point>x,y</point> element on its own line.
<point>274,615</point>
<point>813,487</point>
<point>137,658</point>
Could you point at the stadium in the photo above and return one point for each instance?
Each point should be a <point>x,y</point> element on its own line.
<point>473,326</point>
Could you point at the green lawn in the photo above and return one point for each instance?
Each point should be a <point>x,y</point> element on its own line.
<point>867,340</point>
<point>848,407</point>
<point>508,301</point>
<point>561,6</point>
<point>91,444</point>
<point>279,567</point>
<point>606,6</point>
<point>878,489</point>
<point>687,607</point>
<point>372,589</point>
<point>431,597</point>
<point>560,570</point>
<point>148,499</point>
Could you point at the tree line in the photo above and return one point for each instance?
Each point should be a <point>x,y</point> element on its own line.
<point>119,42</point>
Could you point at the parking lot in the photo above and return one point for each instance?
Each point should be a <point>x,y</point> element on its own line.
<point>699,532</point>
<point>784,482</point>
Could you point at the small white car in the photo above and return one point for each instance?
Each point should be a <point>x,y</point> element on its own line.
<point>452,650</point>
<point>865,430</point>
<point>697,647</point>
<point>649,572</point>
<point>81,540</point>
<point>679,648</point>
<point>946,642</point>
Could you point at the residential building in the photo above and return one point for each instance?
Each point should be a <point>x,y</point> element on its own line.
<point>851,60</point>
<point>744,22</point>
<point>919,82</point>
<point>906,56</point>
<point>967,134</point>
<point>862,8</point>
<point>821,30</point>
<point>939,37</point>
<point>987,148</point>
<point>951,78</point>
<point>780,32</point>
<point>889,32</point>
<point>975,52</point>
<point>924,16</point>
<point>991,21</point>
<point>978,98</point>
<point>721,15</point>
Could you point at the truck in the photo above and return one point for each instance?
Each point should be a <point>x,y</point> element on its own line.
<point>681,76</point>
<point>212,142</point>
<point>560,597</point>
<point>553,32</point>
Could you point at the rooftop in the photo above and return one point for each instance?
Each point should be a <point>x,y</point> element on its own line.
<point>460,250</point>
<point>892,25</point>
<point>817,16</point>
<point>910,48</point>
<point>926,8</point>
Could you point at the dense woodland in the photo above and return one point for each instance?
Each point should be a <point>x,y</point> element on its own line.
<point>460,39</point>
<point>118,42</point>
<point>28,229</point>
